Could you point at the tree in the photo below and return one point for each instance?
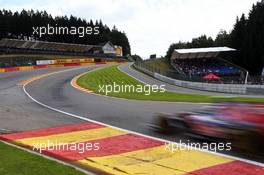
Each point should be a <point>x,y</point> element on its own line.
<point>247,37</point>
<point>222,39</point>
<point>179,45</point>
<point>202,41</point>
<point>19,25</point>
<point>238,33</point>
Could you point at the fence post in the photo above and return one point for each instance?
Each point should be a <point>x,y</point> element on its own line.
<point>246,79</point>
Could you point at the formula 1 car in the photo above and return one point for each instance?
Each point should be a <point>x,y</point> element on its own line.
<point>241,123</point>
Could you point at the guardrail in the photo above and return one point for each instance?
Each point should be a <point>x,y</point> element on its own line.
<point>214,87</point>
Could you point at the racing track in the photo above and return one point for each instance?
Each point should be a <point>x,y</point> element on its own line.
<point>56,92</point>
<point>18,112</point>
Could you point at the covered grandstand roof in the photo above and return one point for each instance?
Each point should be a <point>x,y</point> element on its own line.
<point>209,52</point>
<point>43,45</point>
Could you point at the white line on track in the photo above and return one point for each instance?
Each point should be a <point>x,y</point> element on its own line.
<point>132,75</point>
<point>133,132</point>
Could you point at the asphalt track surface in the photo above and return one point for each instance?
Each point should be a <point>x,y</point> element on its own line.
<point>18,112</point>
<point>57,92</point>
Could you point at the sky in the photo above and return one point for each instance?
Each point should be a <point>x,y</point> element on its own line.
<point>151,25</point>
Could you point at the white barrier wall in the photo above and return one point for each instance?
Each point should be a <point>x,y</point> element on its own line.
<point>225,88</point>
<point>228,88</point>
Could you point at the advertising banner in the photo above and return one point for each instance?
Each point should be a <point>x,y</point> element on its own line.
<point>45,62</point>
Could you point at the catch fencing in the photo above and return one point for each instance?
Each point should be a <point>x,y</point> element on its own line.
<point>234,85</point>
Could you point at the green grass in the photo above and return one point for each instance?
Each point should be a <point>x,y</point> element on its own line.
<point>109,75</point>
<point>14,161</point>
<point>161,64</point>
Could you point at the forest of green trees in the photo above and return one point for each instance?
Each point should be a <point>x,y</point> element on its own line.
<point>247,37</point>
<point>19,25</point>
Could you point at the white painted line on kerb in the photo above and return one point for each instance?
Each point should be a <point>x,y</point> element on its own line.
<point>133,132</point>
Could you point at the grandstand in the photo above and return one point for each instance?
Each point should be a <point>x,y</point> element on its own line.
<point>43,47</point>
<point>25,45</point>
<point>200,62</point>
<point>14,52</point>
<point>209,65</point>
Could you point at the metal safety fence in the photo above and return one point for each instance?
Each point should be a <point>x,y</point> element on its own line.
<point>225,79</point>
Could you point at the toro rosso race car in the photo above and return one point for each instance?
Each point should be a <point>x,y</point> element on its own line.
<point>241,123</point>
